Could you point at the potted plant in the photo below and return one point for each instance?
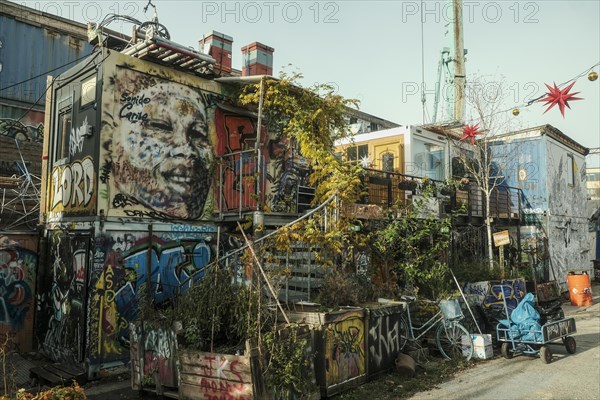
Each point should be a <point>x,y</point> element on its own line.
<point>428,186</point>
<point>407,184</point>
<point>448,190</point>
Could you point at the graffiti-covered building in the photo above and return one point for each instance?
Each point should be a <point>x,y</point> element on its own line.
<point>149,167</point>
<point>32,44</point>
<point>549,168</point>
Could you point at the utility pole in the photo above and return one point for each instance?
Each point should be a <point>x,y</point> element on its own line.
<point>452,62</point>
<point>459,61</point>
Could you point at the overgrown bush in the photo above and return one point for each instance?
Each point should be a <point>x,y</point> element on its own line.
<point>74,392</point>
<point>288,363</point>
<point>339,289</point>
<point>217,312</point>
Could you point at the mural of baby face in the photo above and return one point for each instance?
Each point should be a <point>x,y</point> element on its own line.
<point>162,154</point>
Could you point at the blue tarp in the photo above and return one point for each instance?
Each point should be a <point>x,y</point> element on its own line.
<point>525,321</point>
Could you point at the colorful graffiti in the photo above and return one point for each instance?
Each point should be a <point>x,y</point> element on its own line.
<point>345,347</point>
<point>73,187</point>
<point>236,139</point>
<point>489,294</point>
<point>160,355</point>
<point>128,265</point>
<point>159,148</point>
<point>17,277</point>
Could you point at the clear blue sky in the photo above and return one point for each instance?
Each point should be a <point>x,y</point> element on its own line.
<point>371,50</point>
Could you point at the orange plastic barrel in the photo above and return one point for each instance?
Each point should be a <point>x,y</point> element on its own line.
<point>580,289</point>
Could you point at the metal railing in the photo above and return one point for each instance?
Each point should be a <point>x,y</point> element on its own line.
<point>241,181</point>
<point>242,186</point>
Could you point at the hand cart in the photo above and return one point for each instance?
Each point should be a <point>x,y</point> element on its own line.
<point>533,341</point>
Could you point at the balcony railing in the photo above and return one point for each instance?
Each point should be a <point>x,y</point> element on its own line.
<point>242,187</point>
<point>241,182</point>
<point>391,189</point>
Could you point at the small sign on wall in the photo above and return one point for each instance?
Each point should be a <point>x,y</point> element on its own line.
<point>501,238</point>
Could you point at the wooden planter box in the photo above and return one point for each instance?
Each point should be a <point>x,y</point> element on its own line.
<point>340,343</point>
<point>153,359</point>
<point>383,340</point>
<point>206,376</point>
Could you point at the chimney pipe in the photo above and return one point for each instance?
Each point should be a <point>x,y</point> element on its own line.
<point>257,59</point>
<point>218,46</point>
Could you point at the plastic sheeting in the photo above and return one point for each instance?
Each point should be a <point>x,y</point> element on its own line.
<point>525,321</point>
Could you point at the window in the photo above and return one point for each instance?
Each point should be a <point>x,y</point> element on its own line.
<point>356,153</point>
<point>570,170</point>
<point>387,162</point>
<point>593,177</point>
<point>62,137</point>
<point>88,92</point>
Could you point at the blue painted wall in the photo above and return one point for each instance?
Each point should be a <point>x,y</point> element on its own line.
<point>28,50</point>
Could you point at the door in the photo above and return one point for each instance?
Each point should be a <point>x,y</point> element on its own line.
<point>63,298</point>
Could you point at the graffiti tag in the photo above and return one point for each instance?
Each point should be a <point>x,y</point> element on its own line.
<point>73,184</point>
<point>129,102</point>
<point>77,136</point>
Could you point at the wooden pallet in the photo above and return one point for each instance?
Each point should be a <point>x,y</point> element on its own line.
<point>58,374</point>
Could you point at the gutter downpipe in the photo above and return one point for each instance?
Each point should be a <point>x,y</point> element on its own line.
<point>257,145</point>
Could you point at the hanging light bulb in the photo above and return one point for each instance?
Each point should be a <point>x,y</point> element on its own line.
<point>592,76</point>
<point>516,111</point>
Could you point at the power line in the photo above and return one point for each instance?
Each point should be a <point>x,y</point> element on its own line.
<point>51,84</point>
<point>530,102</point>
<point>43,74</point>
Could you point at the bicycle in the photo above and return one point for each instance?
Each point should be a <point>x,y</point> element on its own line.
<point>452,339</point>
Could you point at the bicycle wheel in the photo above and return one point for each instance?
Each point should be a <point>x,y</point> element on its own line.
<point>449,339</point>
<point>403,333</point>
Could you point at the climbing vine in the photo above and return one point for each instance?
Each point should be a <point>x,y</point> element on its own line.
<point>311,120</point>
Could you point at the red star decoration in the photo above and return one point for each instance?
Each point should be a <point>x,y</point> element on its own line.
<point>469,132</point>
<point>560,97</point>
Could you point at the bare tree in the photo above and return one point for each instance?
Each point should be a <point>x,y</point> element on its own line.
<point>488,110</point>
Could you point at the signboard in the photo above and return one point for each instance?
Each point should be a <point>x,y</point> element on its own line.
<point>501,238</point>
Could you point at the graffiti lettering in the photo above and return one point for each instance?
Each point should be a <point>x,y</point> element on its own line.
<point>16,129</point>
<point>105,174</point>
<point>221,368</point>
<point>149,214</point>
<point>77,136</point>
<point>73,184</point>
<point>344,349</point>
<point>216,376</point>
<point>169,267</point>
<point>385,340</point>
<point>129,102</point>
<point>193,228</point>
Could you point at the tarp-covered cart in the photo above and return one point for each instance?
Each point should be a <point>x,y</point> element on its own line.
<point>522,333</point>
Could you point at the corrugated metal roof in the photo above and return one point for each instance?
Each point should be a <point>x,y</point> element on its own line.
<point>27,51</point>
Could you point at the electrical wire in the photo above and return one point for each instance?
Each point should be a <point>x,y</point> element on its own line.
<point>43,74</point>
<point>423,99</point>
<point>530,102</point>
<point>52,84</point>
